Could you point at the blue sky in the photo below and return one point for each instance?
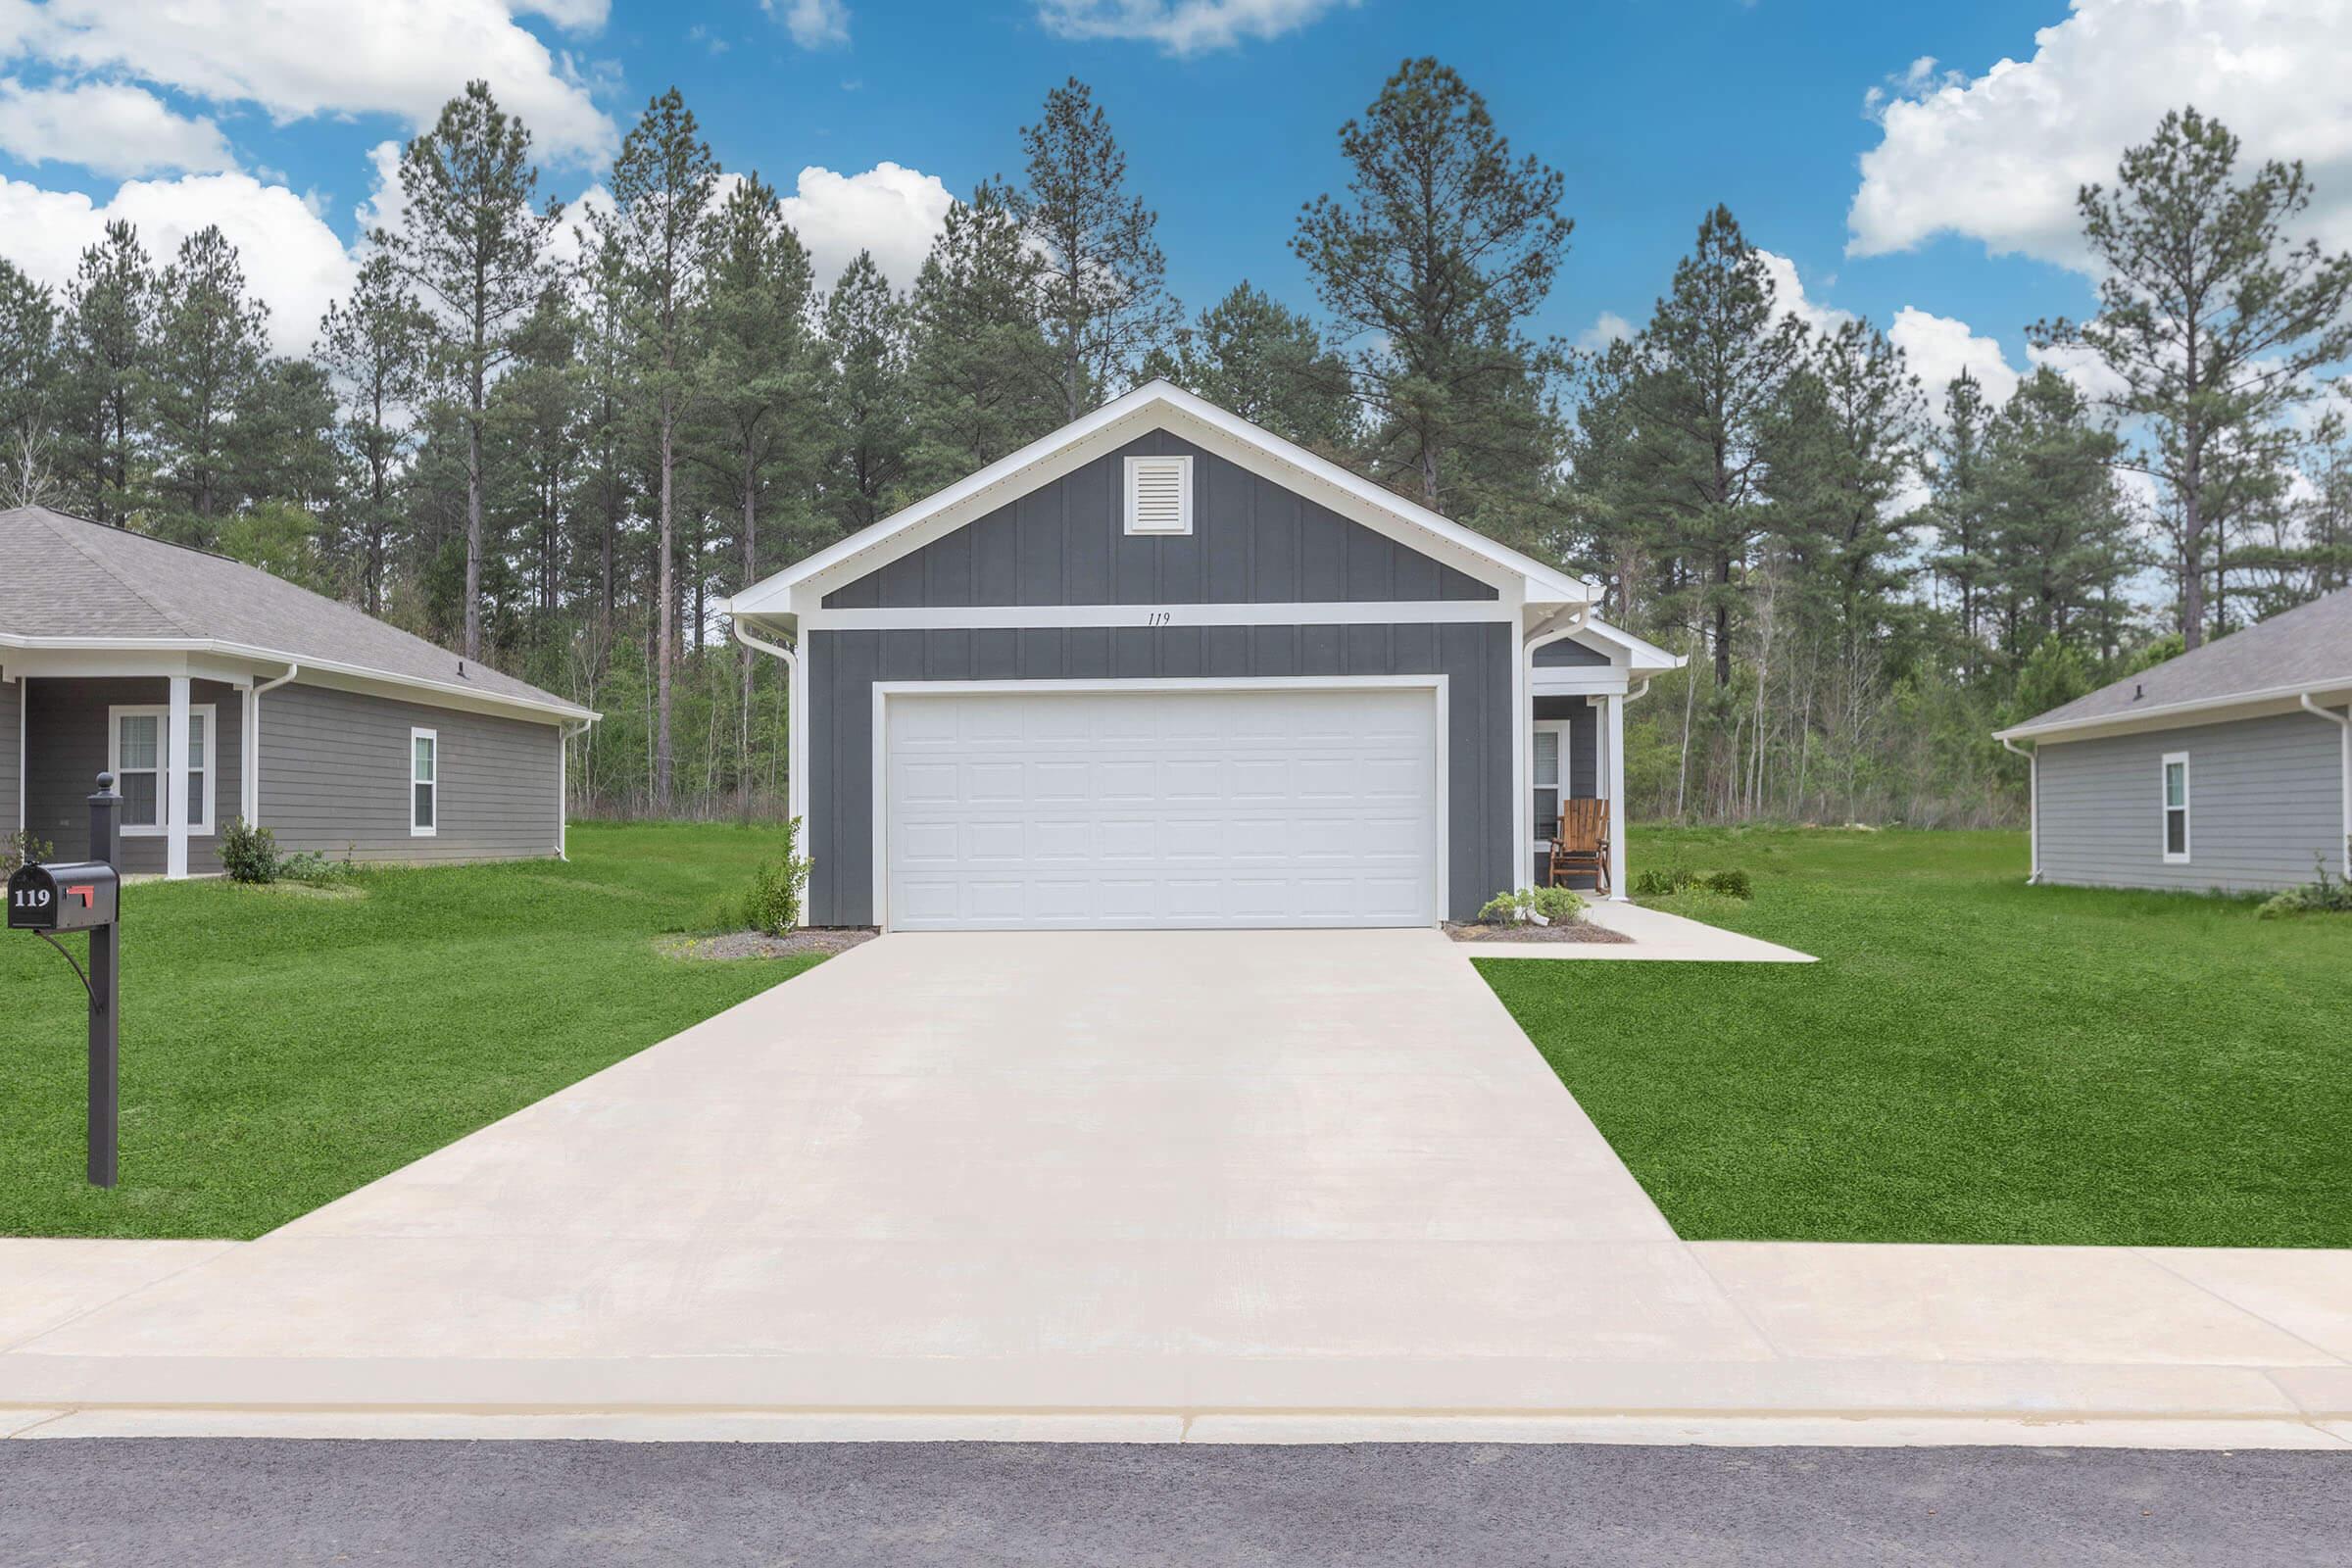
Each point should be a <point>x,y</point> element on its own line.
<point>264,117</point>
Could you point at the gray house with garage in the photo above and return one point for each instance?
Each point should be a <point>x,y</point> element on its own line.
<point>213,691</point>
<point>2228,769</point>
<point>1162,669</point>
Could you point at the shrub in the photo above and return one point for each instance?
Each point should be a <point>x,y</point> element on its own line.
<point>1661,882</point>
<point>314,867</point>
<point>1556,906</point>
<point>249,853</point>
<point>21,847</point>
<point>774,903</point>
<point>2322,895</point>
<point>1658,881</point>
<point>1732,884</point>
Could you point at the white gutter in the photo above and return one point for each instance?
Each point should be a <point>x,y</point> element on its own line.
<point>2032,807</point>
<point>2099,721</point>
<point>2343,723</point>
<point>796,728</point>
<point>566,734</point>
<point>248,794</point>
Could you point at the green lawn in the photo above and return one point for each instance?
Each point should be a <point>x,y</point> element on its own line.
<point>1973,1060</point>
<point>279,1050</point>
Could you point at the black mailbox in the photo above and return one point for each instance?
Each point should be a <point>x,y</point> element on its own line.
<point>73,897</point>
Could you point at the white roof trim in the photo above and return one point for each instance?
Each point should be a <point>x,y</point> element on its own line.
<point>871,547</point>
<point>1639,654</point>
<point>2175,715</point>
<point>474,696</point>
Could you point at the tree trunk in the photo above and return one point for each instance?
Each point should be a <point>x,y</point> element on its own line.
<point>666,647</point>
<point>473,538</point>
<point>750,570</point>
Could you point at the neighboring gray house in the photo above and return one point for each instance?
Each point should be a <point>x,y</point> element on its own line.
<point>213,689</point>
<point>1163,669</point>
<point>2228,767</point>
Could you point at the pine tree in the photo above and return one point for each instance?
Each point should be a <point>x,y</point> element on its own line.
<point>1956,506</point>
<point>866,395</point>
<point>29,391</point>
<point>2215,319</point>
<point>986,379</point>
<point>1269,365</point>
<point>210,341</point>
<point>473,245</point>
<point>2059,535</point>
<point>535,421</point>
<point>110,316</point>
<point>663,183</point>
<point>375,345</point>
<point>1106,303</point>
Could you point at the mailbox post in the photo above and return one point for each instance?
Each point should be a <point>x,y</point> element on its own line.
<point>86,896</point>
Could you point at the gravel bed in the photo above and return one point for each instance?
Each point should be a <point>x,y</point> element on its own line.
<point>755,944</point>
<point>1562,931</point>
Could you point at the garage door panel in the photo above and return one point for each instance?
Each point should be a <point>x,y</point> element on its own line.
<point>1149,808</point>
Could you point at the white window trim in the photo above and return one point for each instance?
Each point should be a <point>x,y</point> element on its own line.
<point>1560,796</point>
<point>160,712</point>
<point>434,783</point>
<point>2164,800</point>
<point>1184,494</point>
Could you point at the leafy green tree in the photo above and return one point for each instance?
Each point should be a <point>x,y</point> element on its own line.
<point>110,315</point>
<point>987,379</point>
<point>375,346</point>
<point>473,244</point>
<point>2214,319</point>
<point>282,443</point>
<point>868,396</point>
<point>663,183</point>
<point>1444,247</point>
<point>282,539</point>
<point>535,423</point>
<point>1955,475</point>
<point>1103,274</point>
<point>1268,363</point>
<point>29,391</point>
<point>211,338</point>
<point>2060,537</point>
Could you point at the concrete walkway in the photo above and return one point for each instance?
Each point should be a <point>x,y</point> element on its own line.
<point>1656,934</point>
<point>1212,1186</point>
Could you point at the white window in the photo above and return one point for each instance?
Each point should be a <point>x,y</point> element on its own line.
<point>2175,807</point>
<point>1160,495</point>
<point>139,756</point>
<point>424,782</point>
<point>1551,762</point>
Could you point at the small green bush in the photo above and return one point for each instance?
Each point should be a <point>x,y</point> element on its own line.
<point>1556,906</point>
<point>1732,884</point>
<point>249,853</point>
<point>773,906</point>
<point>1667,881</point>
<point>1659,881</point>
<point>314,867</point>
<point>2322,895</point>
<point>21,847</point>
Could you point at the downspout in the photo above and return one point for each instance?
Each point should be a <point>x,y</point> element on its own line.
<point>2032,805</point>
<point>2343,723</point>
<point>250,796</point>
<point>566,734</point>
<point>796,714</point>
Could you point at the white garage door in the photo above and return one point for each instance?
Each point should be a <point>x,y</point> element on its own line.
<point>1027,811</point>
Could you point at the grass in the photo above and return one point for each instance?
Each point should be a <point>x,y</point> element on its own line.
<point>282,1048</point>
<point>1973,1060</point>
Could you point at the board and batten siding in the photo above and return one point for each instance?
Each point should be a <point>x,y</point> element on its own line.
<point>2265,802</point>
<point>12,757</point>
<point>844,665</point>
<point>65,745</point>
<point>335,779</point>
<point>1252,542</point>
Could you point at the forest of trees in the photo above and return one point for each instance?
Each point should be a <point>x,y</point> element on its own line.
<point>561,467</point>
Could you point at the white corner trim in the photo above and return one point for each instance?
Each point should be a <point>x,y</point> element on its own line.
<point>883,690</point>
<point>408,771</point>
<point>2186,809</point>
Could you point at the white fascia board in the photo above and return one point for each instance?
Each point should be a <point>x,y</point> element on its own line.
<point>2176,716</point>
<point>1634,651</point>
<point>1579,680</point>
<point>134,650</point>
<point>1110,426</point>
<point>984,618</point>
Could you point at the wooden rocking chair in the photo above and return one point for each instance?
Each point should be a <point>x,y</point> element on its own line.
<point>1581,845</point>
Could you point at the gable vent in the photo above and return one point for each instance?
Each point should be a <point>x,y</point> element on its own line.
<point>1160,495</point>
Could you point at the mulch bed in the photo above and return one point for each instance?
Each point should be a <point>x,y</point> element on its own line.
<point>1559,931</point>
<point>755,944</point>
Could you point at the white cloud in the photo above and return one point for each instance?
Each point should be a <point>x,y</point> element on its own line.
<point>300,58</point>
<point>572,15</point>
<point>891,210</point>
<point>1999,157</point>
<point>2084,368</point>
<point>1789,293</point>
<point>1607,328</point>
<point>1182,27</point>
<point>1941,347</point>
<point>110,128</point>
<point>812,24</point>
<point>292,259</point>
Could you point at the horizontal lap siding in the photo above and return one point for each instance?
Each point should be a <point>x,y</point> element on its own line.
<point>2265,803</point>
<point>12,707</point>
<point>844,665</point>
<point>335,779</point>
<point>66,741</point>
<point>1066,543</point>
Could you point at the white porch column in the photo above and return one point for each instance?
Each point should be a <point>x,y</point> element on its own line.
<point>1616,787</point>
<point>249,759</point>
<point>176,781</point>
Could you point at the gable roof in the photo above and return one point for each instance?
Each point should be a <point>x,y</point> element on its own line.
<point>67,583</point>
<point>1197,419</point>
<point>2306,649</point>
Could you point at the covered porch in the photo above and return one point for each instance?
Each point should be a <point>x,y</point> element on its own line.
<point>1578,681</point>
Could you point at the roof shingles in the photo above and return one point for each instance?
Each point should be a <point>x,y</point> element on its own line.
<point>2309,646</point>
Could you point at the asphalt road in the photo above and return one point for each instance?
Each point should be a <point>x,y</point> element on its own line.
<point>197,1504</point>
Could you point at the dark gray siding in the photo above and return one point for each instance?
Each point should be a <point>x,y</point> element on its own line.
<point>2265,802</point>
<point>1567,652</point>
<point>843,667</point>
<point>1066,543</point>
<point>335,778</point>
<point>64,737</point>
<point>11,718</point>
